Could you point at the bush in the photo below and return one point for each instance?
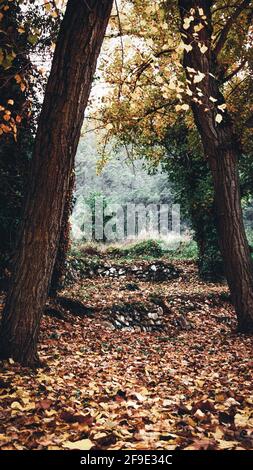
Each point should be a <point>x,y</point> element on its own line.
<point>146,248</point>
<point>187,250</point>
<point>86,249</point>
<point>141,249</point>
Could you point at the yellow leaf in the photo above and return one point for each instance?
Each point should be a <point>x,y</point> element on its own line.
<point>185,107</point>
<point>191,70</point>
<point>198,78</point>
<point>218,118</point>
<point>222,107</point>
<point>203,49</point>
<point>84,444</point>
<point>172,85</point>
<point>16,406</point>
<point>187,22</point>
<point>187,47</point>
<point>198,27</point>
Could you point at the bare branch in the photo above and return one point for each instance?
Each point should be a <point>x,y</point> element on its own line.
<point>122,47</point>
<point>86,4</point>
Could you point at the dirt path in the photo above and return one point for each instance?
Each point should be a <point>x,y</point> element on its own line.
<point>112,389</point>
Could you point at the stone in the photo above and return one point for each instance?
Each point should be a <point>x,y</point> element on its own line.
<point>153,315</point>
<point>112,270</point>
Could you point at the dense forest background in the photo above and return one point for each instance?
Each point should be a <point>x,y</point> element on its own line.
<point>122,181</point>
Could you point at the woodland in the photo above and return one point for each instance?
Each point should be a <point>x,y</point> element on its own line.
<point>112,339</point>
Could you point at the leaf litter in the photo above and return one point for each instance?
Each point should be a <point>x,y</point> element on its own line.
<point>105,388</point>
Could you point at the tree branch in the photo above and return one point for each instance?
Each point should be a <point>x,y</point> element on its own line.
<point>235,72</point>
<point>145,65</point>
<point>122,47</point>
<point>224,33</point>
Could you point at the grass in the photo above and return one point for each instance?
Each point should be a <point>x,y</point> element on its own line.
<point>147,250</point>
<point>186,250</point>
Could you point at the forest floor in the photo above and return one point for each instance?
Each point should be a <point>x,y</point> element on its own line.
<point>105,388</point>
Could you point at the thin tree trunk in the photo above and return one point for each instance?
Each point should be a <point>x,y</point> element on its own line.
<point>191,177</point>
<point>60,264</point>
<point>210,263</point>
<point>80,38</point>
<point>222,149</point>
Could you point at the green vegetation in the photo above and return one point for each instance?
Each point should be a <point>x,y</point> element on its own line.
<point>146,248</point>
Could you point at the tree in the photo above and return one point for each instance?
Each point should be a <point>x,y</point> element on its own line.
<point>67,92</point>
<point>151,89</point>
<point>221,146</point>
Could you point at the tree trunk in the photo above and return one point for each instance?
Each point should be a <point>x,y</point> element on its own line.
<point>190,174</point>
<point>210,263</point>
<point>78,46</point>
<point>222,149</point>
<point>64,242</point>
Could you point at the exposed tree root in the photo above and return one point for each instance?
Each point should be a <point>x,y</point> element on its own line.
<point>74,306</point>
<point>61,306</point>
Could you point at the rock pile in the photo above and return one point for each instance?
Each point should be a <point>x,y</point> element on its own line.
<point>135,317</point>
<point>157,271</point>
<point>148,317</point>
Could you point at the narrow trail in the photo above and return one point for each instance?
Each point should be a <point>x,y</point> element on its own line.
<point>111,389</point>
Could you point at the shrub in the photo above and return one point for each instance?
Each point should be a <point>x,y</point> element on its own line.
<point>141,249</point>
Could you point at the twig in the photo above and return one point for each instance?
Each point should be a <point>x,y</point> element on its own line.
<point>122,48</point>
<point>88,6</point>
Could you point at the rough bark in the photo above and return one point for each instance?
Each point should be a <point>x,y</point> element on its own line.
<point>79,42</point>
<point>221,148</point>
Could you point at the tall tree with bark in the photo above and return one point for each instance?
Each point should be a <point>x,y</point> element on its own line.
<point>78,46</point>
<point>221,145</point>
<point>148,105</point>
